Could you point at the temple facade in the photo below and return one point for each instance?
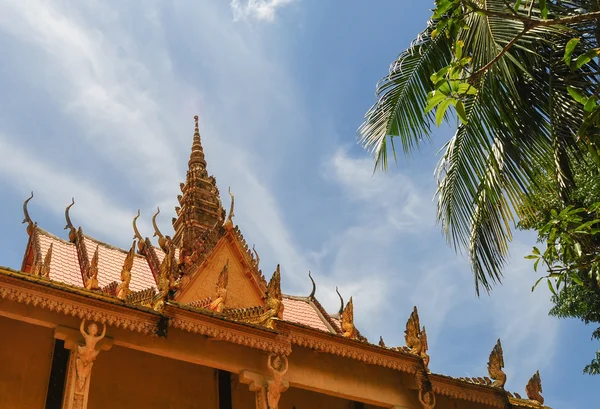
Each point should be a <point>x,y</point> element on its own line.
<point>191,321</point>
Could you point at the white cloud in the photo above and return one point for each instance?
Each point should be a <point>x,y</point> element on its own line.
<point>127,101</point>
<point>264,10</point>
<point>383,259</point>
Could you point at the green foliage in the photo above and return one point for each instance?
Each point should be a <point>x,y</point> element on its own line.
<point>519,82</point>
<point>571,237</point>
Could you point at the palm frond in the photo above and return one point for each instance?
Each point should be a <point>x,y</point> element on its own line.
<point>402,96</point>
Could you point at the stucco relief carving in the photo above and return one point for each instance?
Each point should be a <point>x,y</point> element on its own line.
<point>278,366</point>
<point>87,353</point>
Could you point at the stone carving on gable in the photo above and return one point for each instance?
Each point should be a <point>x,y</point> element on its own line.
<point>278,366</point>
<point>44,270</point>
<point>167,277</point>
<point>416,338</point>
<point>219,303</point>
<point>348,328</point>
<point>534,389</point>
<point>87,353</point>
<point>495,365</point>
<point>92,276</point>
<point>123,289</point>
<point>273,301</point>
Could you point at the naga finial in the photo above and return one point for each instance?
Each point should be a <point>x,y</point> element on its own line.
<point>162,241</point>
<point>341,302</point>
<point>229,221</point>
<point>136,234</point>
<point>534,389</point>
<point>416,338</point>
<point>495,365</point>
<point>72,230</point>
<point>348,328</point>
<point>27,219</point>
<point>257,256</point>
<point>314,286</point>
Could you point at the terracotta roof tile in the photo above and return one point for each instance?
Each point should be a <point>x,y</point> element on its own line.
<point>64,266</point>
<point>110,263</point>
<point>302,312</point>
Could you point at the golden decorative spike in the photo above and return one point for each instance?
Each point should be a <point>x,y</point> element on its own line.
<point>416,338</point>
<point>137,235</point>
<point>348,328</point>
<point>92,276</point>
<point>534,389</point>
<point>257,256</point>
<point>495,365</point>
<point>123,288</point>
<point>273,302</point>
<point>27,219</point>
<point>167,277</point>
<point>219,303</point>
<point>314,286</point>
<point>162,242</point>
<point>229,222</point>
<point>341,302</point>
<point>45,269</point>
<point>72,230</point>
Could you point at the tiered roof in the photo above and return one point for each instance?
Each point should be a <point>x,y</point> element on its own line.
<point>208,268</point>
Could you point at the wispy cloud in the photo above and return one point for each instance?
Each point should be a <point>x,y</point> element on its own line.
<point>384,260</point>
<point>263,10</point>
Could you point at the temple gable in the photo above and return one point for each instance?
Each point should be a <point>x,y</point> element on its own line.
<point>242,291</point>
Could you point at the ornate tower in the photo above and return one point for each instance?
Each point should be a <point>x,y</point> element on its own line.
<point>200,205</point>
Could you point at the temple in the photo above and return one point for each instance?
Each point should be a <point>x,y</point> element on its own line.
<point>189,320</point>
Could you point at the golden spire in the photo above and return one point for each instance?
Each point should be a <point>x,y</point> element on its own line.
<point>197,155</point>
<point>200,205</point>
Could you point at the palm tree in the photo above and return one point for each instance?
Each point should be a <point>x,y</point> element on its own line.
<point>501,64</point>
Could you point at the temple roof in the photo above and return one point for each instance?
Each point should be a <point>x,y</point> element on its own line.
<point>208,268</point>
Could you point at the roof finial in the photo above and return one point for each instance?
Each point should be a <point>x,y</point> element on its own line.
<point>162,242</point>
<point>27,219</point>
<point>257,256</point>
<point>137,235</point>
<point>495,365</point>
<point>197,155</point>
<point>72,230</point>
<point>341,301</point>
<point>314,289</point>
<point>229,222</point>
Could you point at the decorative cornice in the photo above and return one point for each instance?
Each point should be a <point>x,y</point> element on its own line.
<point>73,301</point>
<point>214,325</point>
<point>348,348</point>
<point>471,392</point>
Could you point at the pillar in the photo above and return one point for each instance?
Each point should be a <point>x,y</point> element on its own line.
<point>85,346</point>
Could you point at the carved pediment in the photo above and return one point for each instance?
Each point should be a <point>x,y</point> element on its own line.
<point>242,289</point>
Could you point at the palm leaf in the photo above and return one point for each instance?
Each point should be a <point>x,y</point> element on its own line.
<point>402,96</point>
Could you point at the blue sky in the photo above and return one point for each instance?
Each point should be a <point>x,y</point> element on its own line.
<point>97,103</point>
